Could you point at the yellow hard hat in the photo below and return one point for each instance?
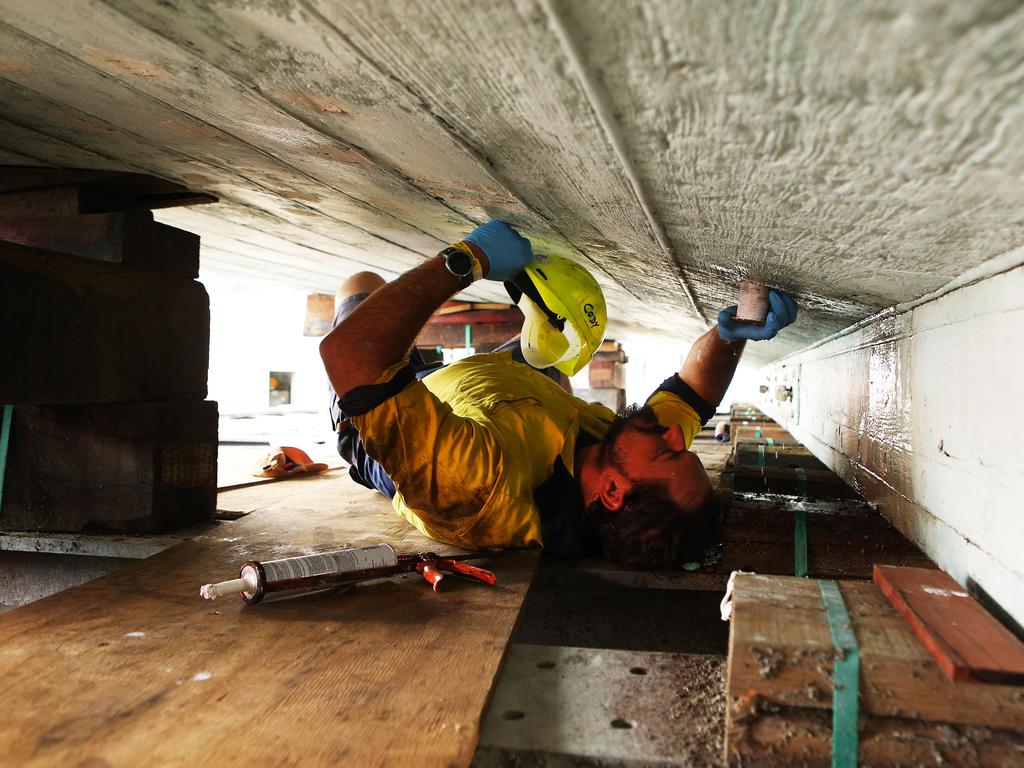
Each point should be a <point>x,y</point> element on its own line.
<point>565,313</point>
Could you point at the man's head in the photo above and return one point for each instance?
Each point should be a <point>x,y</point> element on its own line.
<point>648,497</point>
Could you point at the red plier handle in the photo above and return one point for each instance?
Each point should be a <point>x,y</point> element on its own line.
<point>432,571</point>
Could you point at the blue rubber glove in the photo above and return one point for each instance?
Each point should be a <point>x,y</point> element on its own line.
<point>781,314</point>
<point>507,251</point>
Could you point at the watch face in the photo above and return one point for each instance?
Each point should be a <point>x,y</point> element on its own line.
<point>458,263</point>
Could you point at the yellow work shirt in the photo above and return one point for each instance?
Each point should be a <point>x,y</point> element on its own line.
<point>467,445</point>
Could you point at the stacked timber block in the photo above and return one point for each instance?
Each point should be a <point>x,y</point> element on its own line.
<point>789,514</point>
<point>106,370</point>
<point>844,537</point>
<point>780,690</point>
<point>607,372</point>
<point>769,460</point>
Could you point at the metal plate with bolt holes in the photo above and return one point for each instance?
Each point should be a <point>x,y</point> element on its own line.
<point>133,547</point>
<point>612,707</point>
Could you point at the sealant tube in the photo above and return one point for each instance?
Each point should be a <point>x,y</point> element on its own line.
<point>723,431</point>
<point>293,576</point>
<point>753,304</point>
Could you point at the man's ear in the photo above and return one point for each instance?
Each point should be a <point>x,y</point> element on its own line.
<point>612,489</point>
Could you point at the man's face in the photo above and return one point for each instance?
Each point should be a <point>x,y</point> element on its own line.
<point>645,451</point>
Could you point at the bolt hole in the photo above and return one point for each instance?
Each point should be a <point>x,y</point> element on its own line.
<point>638,671</point>
<point>513,714</point>
<point>622,724</point>
<point>545,665</point>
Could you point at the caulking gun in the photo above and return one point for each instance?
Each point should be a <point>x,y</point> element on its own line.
<point>293,576</point>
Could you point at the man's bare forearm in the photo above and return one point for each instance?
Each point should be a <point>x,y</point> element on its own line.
<point>380,331</point>
<point>710,365</point>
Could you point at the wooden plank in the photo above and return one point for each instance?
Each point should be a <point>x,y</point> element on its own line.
<point>105,119</point>
<point>765,735</point>
<point>116,467</point>
<point>527,84</point>
<point>154,148</point>
<point>237,132</point>
<point>965,639</point>
<point>372,121</point>
<point>654,96</point>
<point>256,233</point>
<point>136,664</point>
<point>71,191</point>
<point>781,652</point>
<point>91,331</point>
<point>132,239</point>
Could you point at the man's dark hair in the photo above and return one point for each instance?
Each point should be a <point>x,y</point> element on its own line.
<point>650,531</point>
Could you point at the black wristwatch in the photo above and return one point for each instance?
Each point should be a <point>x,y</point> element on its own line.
<point>459,263</point>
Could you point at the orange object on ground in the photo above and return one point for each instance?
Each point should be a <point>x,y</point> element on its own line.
<point>288,461</point>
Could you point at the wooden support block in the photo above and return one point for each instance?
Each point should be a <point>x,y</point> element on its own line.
<point>780,686</point>
<point>34,192</point>
<point>319,314</point>
<point>116,467</point>
<point>88,331</point>
<point>132,239</point>
<point>966,640</point>
<point>844,538</point>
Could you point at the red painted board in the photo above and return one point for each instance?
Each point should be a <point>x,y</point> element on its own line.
<point>965,639</point>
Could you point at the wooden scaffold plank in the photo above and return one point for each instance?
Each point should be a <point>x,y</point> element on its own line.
<point>135,668</point>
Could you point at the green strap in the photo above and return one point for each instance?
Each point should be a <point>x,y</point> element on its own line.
<point>845,677</point>
<point>800,542</point>
<point>770,441</point>
<point>757,433</point>
<point>5,440</point>
<point>800,527</point>
<point>469,335</point>
<point>760,455</point>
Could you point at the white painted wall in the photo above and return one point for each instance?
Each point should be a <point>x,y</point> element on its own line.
<point>921,410</point>
<point>255,328</point>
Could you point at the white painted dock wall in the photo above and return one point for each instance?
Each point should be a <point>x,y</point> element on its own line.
<point>922,409</point>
